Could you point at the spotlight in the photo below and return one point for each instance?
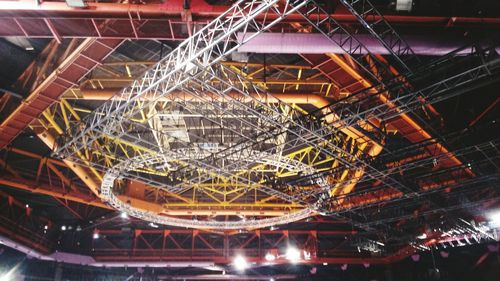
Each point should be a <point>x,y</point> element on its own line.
<point>63,228</point>
<point>422,236</point>
<point>240,263</point>
<point>95,235</point>
<point>270,257</point>
<point>123,215</point>
<point>292,254</point>
<point>153,225</point>
<point>46,227</point>
<point>6,277</point>
<point>271,279</point>
<point>27,206</point>
<point>494,219</point>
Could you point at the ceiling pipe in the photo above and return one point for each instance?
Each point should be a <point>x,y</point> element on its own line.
<point>314,43</point>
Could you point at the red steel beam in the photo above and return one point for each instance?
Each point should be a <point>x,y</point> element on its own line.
<point>259,232</point>
<point>230,260</point>
<point>76,65</point>
<point>160,21</point>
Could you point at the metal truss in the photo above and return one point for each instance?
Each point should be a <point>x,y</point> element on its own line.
<point>56,120</point>
<point>373,21</point>
<point>178,244</point>
<point>21,223</point>
<point>182,65</point>
<point>192,68</point>
<point>398,94</point>
<point>205,48</point>
<point>428,182</point>
<point>109,196</point>
<point>363,105</point>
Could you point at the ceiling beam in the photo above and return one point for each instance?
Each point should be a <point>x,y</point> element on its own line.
<point>116,20</point>
<point>67,74</point>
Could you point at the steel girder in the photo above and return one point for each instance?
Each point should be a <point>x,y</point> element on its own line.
<point>167,21</point>
<point>302,139</point>
<point>77,64</point>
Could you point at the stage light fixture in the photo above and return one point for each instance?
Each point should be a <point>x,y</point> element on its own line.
<point>270,257</point>
<point>494,219</point>
<point>240,263</point>
<point>292,254</point>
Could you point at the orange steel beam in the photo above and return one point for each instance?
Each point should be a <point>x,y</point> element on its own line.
<point>488,109</point>
<point>36,188</point>
<point>84,175</point>
<point>419,133</point>
<point>77,64</point>
<point>396,73</point>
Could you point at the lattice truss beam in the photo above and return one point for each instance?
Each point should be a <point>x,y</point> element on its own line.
<point>190,121</point>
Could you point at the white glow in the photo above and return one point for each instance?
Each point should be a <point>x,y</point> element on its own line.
<point>95,235</point>
<point>153,225</point>
<point>325,263</point>
<point>240,263</point>
<point>270,257</point>
<point>6,277</point>
<point>423,236</point>
<point>123,215</point>
<point>63,227</point>
<point>292,254</point>
<point>494,219</point>
<point>27,206</point>
<point>271,279</point>
<point>10,275</point>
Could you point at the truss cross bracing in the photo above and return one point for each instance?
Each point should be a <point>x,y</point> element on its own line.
<point>224,130</point>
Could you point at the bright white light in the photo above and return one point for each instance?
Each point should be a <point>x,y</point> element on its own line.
<point>292,254</point>
<point>10,275</point>
<point>123,215</point>
<point>270,257</point>
<point>271,279</point>
<point>153,225</point>
<point>422,236</point>
<point>325,263</point>
<point>6,277</point>
<point>27,205</point>
<point>46,227</point>
<point>63,227</point>
<point>240,263</point>
<point>95,235</point>
<point>494,219</point>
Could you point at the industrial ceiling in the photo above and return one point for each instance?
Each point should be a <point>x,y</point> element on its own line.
<point>183,133</point>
